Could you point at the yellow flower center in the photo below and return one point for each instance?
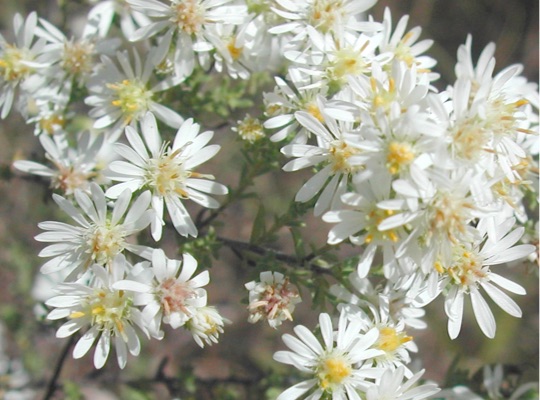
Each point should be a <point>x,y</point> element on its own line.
<point>189,15</point>
<point>469,140</point>
<point>250,129</point>
<point>324,14</point>
<point>234,51</point>
<point>390,340</point>
<point>77,58</point>
<point>466,268</point>
<point>449,215</point>
<point>104,243</point>
<point>51,123</point>
<point>382,97</point>
<point>374,219</point>
<point>347,62</point>
<point>403,51</point>
<point>166,174</point>
<point>108,309</point>
<point>314,110</point>
<point>340,153</point>
<point>332,371</point>
<point>400,154</point>
<point>132,98</point>
<point>12,65</point>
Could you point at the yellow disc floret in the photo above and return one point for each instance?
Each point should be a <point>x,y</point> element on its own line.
<point>332,371</point>
<point>132,97</point>
<point>399,155</point>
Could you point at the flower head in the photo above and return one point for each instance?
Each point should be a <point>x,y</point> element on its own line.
<point>335,366</point>
<point>273,299</point>
<point>168,172</point>
<point>108,313</point>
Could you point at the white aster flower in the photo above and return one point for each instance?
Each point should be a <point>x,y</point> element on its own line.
<point>470,270</point>
<point>186,22</point>
<point>20,61</point>
<point>168,171</point>
<point>359,222</point>
<point>99,234</point>
<point>335,366</point>
<point>405,46</point>
<point>393,341</point>
<point>336,17</point>
<point>72,59</point>
<point>168,290</point>
<point>392,387</point>
<point>122,96</point>
<point>285,100</point>
<point>206,324</point>
<point>273,299</point>
<point>71,168</point>
<point>107,312</point>
<point>249,129</point>
<point>331,152</point>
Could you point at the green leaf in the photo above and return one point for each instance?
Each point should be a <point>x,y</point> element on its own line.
<point>259,225</point>
<point>298,242</point>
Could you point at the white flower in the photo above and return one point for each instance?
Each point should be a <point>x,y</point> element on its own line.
<point>405,47</point>
<point>122,96</point>
<point>285,100</point>
<point>335,366</point>
<point>469,271</point>
<point>360,221</point>
<point>167,290</point>
<point>392,387</point>
<point>249,129</point>
<point>337,18</point>
<point>72,168</point>
<point>331,152</point>
<point>186,21</point>
<point>20,61</point>
<point>168,171</point>
<point>99,235</point>
<point>273,299</point>
<point>206,325</point>
<point>241,49</point>
<point>107,312</point>
<point>72,59</point>
<point>393,340</point>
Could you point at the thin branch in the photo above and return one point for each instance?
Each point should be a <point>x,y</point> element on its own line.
<point>52,385</point>
<point>241,247</point>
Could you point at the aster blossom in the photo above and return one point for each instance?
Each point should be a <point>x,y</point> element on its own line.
<point>168,171</point>
<point>335,366</point>
<point>20,62</point>
<point>273,298</point>
<point>120,93</point>
<point>470,271</point>
<point>100,234</point>
<point>167,289</point>
<point>108,314</point>
<point>71,168</point>
<point>186,22</point>
<point>330,151</point>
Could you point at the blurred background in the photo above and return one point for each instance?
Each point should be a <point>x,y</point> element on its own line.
<point>245,351</point>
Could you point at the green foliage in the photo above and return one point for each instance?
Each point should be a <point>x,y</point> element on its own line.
<point>72,391</point>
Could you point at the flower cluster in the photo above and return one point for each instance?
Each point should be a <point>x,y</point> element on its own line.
<point>428,185</point>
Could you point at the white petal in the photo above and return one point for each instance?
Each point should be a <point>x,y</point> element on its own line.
<point>85,342</point>
<point>483,314</point>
